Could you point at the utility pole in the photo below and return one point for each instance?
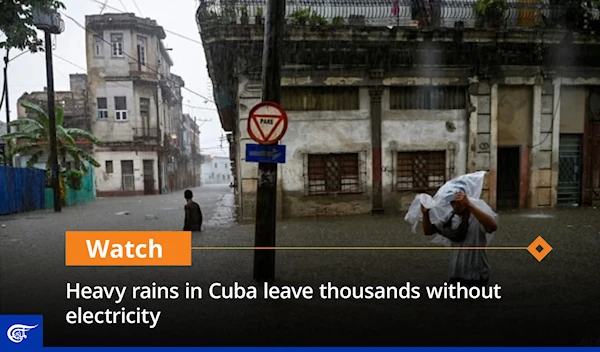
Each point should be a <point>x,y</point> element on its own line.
<point>6,92</point>
<point>194,148</point>
<point>6,60</point>
<point>52,118</point>
<point>266,198</point>
<point>51,23</point>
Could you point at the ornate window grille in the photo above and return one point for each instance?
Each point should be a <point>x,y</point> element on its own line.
<point>341,173</point>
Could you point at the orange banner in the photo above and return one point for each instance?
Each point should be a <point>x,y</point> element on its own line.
<point>128,248</point>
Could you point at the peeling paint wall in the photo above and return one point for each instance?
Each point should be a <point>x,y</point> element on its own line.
<point>520,112</point>
<point>420,130</point>
<point>542,151</point>
<point>111,182</point>
<point>572,109</point>
<point>481,129</point>
<point>308,133</point>
<point>514,115</point>
<point>110,77</point>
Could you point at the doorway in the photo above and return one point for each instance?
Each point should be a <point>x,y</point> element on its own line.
<point>148,177</point>
<point>591,151</point>
<point>127,176</point>
<point>508,183</point>
<point>569,170</point>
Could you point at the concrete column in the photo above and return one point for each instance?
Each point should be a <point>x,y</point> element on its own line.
<point>473,129</point>
<point>555,140</point>
<point>535,145</point>
<point>493,144</point>
<point>376,93</point>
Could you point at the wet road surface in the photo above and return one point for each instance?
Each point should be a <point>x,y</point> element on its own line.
<point>549,303</point>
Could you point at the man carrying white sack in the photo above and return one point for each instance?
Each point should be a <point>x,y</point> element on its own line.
<point>463,220</point>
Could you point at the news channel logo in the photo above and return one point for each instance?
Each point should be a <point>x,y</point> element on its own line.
<point>21,332</point>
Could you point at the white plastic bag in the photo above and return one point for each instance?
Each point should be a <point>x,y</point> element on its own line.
<point>439,206</point>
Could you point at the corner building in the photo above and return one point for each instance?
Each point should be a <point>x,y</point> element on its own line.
<point>385,101</point>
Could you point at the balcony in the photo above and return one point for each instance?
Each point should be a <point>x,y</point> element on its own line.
<point>146,134</point>
<point>404,13</point>
<point>137,71</point>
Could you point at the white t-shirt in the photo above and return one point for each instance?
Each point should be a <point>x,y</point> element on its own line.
<point>470,264</point>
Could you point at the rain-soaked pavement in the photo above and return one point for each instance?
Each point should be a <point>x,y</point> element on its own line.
<point>549,303</point>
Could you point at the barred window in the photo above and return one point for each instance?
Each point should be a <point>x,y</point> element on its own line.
<point>428,98</point>
<point>333,173</point>
<point>320,98</point>
<point>421,170</point>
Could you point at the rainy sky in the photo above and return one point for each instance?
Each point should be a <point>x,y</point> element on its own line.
<point>27,73</point>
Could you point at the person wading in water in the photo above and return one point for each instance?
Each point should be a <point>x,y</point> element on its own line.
<point>193,214</point>
<point>469,267</point>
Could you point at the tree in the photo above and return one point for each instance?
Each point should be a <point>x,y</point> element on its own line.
<point>34,140</point>
<point>16,22</point>
<point>9,148</point>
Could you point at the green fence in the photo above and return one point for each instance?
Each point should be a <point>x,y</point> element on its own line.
<point>87,193</point>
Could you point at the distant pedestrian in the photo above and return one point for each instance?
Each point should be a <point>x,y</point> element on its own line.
<point>193,213</point>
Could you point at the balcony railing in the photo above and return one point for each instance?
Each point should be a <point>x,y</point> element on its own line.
<point>146,133</point>
<point>403,13</point>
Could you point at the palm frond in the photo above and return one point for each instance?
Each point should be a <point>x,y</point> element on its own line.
<point>42,116</point>
<point>25,122</point>
<point>77,159</point>
<point>34,158</point>
<point>82,154</point>
<point>63,135</point>
<point>60,116</point>
<point>81,134</point>
<point>27,148</point>
<point>19,135</point>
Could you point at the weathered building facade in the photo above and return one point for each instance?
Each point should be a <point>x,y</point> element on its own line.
<point>134,98</point>
<point>191,151</point>
<point>216,170</point>
<point>74,103</point>
<point>386,99</point>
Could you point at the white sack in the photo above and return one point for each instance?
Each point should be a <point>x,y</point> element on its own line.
<point>439,206</point>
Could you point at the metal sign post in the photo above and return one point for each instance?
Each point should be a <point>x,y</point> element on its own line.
<point>266,196</point>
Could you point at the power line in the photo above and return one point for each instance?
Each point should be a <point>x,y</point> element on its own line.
<point>21,54</point>
<point>184,37</point>
<point>76,65</point>
<point>103,6</point>
<point>198,107</point>
<point>123,5</point>
<point>134,59</point>
<point>136,6</point>
<point>69,62</point>
<point>166,30</point>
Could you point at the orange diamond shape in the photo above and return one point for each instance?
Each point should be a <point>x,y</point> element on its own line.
<point>539,243</point>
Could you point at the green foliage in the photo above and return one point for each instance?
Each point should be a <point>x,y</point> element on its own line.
<point>491,9</point>
<point>34,138</point>
<point>244,11</point>
<point>9,153</point>
<point>338,21</point>
<point>16,22</point>
<point>317,20</point>
<point>73,178</point>
<point>300,16</point>
<point>259,12</point>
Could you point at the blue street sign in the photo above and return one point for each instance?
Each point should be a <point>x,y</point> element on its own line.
<point>256,153</point>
